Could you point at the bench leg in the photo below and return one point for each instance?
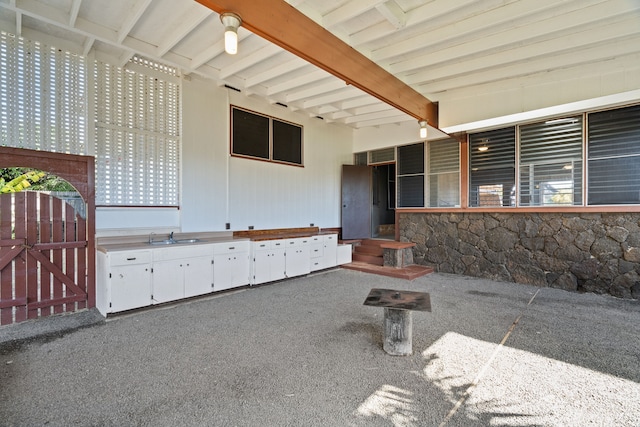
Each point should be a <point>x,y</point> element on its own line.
<point>397,332</point>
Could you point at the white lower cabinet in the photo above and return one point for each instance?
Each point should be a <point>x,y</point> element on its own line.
<point>231,267</point>
<point>126,277</point>
<point>297,256</point>
<point>198,276</point>
<point>182,272</point>
<point>268,261</point>
<point>330,250</point>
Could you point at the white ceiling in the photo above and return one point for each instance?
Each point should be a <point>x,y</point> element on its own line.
<point>436,47</point>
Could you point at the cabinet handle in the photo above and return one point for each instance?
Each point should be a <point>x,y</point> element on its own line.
<point>131,259</point>
<point>232,248</point>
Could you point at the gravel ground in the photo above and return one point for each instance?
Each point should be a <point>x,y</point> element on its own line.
<point>307,352</point>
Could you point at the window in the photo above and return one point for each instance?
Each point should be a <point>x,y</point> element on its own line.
<point>444,173</point>
<point>492,164</point>
<point>360,159</point>
<point>551,163</point>
<point>43,104</point>
<point>263,137</point>
<point>614,157</point>
<point>137,139</point>
<point>385,155</point>
<point>411,175</point>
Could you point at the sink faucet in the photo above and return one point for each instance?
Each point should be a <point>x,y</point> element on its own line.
<point>151,237</point>
<point>171,236</point>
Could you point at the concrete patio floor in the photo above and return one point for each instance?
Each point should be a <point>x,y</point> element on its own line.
<point>307,352</point>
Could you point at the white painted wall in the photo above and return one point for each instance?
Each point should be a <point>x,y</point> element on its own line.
<point>218,188</point>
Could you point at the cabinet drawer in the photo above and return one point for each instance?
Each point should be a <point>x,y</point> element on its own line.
<point>129,257</point>
<point>262,245</point>
<point>231,247</point>
<point>277,244</point>
<point>180,252</point>
<point>331,238</point>
<point>316,250</point>
<point>298,241</point>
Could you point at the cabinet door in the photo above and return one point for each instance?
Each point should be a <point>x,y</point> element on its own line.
<point>298,261</point>
<point>230,270</point>
<point>278,264</point>
<point>240,269</point>
<point>198,276</point>
<point>261,267</point>
<point>130,287</point>
<point>168,280</point>
<point>329,251</point>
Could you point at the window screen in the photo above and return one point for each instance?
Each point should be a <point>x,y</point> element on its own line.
<point>287,142</point>
<point>614,156</point>
<point>551,162</point>
<point>492,162</point>
<point>410,166</point>
<point>250,134</point>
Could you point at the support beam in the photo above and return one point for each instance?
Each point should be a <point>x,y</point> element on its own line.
<point>283,25</point>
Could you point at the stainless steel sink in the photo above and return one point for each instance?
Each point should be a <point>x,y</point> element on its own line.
<point>173,241</point>
<point>162,242</point>
<point>186,240</point>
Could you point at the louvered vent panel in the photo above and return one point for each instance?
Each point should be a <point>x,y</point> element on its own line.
<point>137,136</point>
<point>385,155</point>
<point>42,96</point>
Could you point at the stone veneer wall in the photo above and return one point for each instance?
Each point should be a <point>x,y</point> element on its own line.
<point>591,252</point>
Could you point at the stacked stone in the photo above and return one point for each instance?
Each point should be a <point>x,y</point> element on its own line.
<point>587,252</point>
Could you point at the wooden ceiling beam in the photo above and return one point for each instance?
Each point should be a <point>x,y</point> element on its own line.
<point>283,25</point>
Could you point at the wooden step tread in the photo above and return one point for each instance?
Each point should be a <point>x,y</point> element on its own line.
<point>369,250</point>
<point>369,259</point>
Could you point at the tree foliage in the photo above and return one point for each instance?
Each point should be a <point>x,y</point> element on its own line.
<point>18,179</point>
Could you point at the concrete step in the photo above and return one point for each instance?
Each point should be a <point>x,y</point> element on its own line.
<point>368,259</point>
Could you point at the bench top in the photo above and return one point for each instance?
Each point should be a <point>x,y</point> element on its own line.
<point>397,245</point>
<point>401,300</point>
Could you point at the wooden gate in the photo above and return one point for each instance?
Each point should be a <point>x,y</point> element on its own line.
<point>47,249</point>
<point>43,259</point>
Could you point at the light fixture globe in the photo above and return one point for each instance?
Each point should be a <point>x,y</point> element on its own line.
<point>423,129</point>
<point>231,22</point>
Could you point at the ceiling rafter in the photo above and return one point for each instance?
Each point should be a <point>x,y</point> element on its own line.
<point>292,64</point>
<point>347,11</point>
<point>249,60</point>
<point>393,13</point>
<point>73,13</point>
<point>137,10</point>
<point>194,17</point>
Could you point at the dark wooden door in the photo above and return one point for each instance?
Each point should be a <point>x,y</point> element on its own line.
<point>356,202</point>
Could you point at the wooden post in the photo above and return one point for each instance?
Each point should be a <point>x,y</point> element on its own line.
<point>398,328</point>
